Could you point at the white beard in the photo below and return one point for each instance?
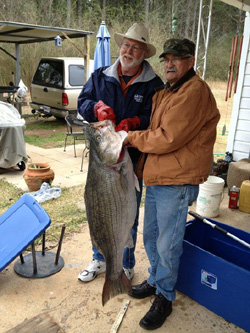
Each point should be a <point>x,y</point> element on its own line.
<point>134,63</point>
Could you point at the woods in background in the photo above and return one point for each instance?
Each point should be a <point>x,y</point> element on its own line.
<point>164,19</point>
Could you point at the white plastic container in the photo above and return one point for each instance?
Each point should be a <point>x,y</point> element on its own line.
<point>210,196</point>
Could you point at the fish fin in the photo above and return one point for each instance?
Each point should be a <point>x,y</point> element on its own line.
<point>130,242</point>
<point>94,244</point>
<point>112,288</point>
<point>122,134</point>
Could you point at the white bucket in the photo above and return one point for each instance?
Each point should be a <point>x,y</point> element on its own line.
<point>210,196</point>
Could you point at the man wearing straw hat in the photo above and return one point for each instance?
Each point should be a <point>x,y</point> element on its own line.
<point>122,93</point>
<point>179,147</point>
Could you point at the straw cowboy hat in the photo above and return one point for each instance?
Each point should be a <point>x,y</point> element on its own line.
<point>137,32</point>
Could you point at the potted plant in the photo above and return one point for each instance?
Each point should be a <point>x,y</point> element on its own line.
<point>37,173</point>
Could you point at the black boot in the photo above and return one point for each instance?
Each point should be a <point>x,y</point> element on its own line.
<point>142,290</point>
<point>159,311</point>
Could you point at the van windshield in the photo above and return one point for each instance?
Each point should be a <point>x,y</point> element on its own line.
<point>49,73</point>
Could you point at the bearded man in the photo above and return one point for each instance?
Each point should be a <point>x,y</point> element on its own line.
<point>122,93</point>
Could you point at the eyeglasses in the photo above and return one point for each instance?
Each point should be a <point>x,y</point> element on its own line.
<point>174,60</point>
<point>135,48</point>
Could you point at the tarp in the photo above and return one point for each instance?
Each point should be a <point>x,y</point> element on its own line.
<point>9,116</point>
<point>12,143</point>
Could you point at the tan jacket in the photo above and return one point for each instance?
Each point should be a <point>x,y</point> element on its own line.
<point>181,135</point>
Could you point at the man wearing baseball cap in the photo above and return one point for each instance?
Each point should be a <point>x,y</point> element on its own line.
<point>122,93</point>
<point>179,148</point>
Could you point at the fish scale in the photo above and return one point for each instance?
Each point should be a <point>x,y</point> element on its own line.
<point>110,199</point>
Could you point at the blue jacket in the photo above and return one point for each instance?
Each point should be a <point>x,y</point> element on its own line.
<point>104,84</point>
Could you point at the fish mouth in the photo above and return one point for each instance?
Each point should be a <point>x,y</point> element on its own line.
<point>110,148</point>
<point>101,124</point>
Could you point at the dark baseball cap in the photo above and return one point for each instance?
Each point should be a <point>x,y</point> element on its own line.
<point>178,47</point>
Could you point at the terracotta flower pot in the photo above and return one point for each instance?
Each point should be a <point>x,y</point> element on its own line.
<point>37,173</point>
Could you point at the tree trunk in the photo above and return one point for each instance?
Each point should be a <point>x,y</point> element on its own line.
<point>194,19</point>
<point>50,6</point>
<point>188,14</point>
<point>79,11</point>
<point>68,12</point>
<point>146,12</point>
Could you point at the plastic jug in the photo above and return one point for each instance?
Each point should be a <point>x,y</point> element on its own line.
<point>244,202</point>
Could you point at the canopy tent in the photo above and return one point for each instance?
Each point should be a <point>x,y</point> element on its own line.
<point>22,33</point>
<point>241,4</point>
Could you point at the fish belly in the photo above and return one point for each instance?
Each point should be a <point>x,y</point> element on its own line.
<point>110,200</point>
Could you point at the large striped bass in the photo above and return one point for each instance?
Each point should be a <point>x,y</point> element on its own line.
<point>110,199</point>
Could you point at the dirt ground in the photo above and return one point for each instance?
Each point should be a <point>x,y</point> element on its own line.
<point>76,307</point>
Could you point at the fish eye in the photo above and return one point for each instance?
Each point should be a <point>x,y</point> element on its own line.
<point>98,138</point>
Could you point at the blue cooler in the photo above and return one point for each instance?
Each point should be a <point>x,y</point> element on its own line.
<point>215,271</point>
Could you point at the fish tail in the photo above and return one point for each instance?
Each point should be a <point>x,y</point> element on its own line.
<point>112,288</point>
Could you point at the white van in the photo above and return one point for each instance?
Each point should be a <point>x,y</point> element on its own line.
<point>56,85</point>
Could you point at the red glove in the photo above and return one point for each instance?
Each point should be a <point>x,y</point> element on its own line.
<point>103,111</point>
<point>128,124</point>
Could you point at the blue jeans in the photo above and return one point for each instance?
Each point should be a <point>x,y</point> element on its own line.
<point>128,253</point>
<point>165,217</point>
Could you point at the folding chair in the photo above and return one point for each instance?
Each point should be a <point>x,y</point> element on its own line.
<point>20,226</point>
<point>72,122</point>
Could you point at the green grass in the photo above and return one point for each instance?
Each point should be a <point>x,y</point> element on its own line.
<point>45,133</point>
<point>33,125</point>
<point>9,195</point>
<point>54,140</point>
<point>63,210</point>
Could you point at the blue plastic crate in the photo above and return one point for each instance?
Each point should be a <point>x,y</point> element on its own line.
<point>215,271</point>
<point>20,225</point>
